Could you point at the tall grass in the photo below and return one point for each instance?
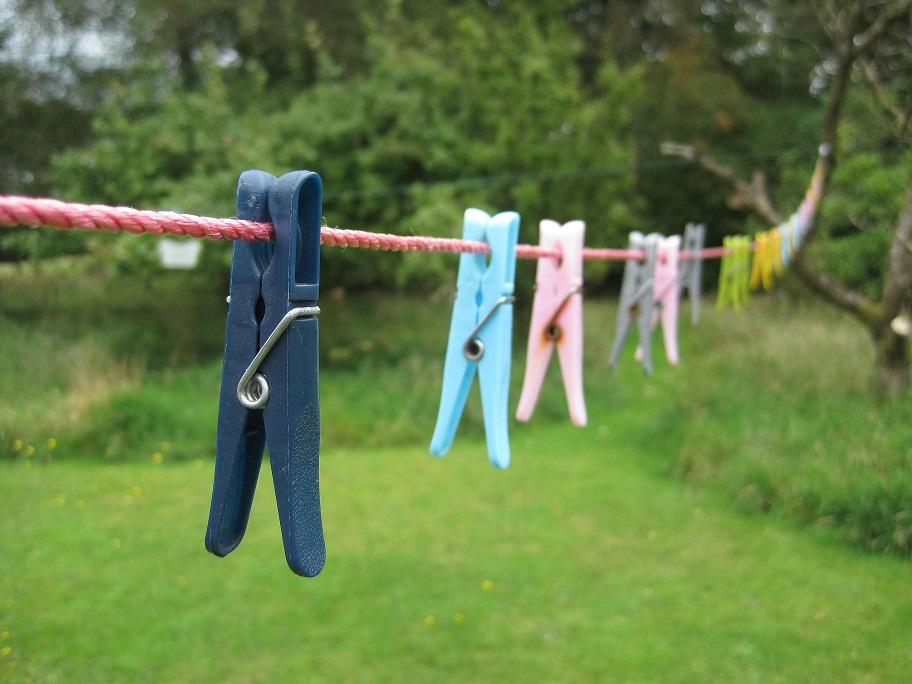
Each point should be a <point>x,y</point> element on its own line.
<point>76,342</point>
<point>785,417</point>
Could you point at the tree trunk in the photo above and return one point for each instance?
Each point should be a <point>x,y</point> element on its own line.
<point>894,361</point>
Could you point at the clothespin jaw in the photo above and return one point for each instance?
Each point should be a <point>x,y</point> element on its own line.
<point>270,383</point>
<point>690,271</point>
<point>637,298</point>
<point>481,334</point>
<point>557,319</point>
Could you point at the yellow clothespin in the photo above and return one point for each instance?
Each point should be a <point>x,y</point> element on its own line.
<point>759,266</point>
<point>775,253</point>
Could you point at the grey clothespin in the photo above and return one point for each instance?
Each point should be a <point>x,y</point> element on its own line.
<point>689,270</point>
<point>637,298</point>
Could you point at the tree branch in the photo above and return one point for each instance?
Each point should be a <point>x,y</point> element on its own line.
<point>757,199</point>
<point>850,43</point>
<point>753,194</point>
<point>862,42</point>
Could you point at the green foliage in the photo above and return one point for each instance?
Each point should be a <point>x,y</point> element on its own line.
<point>154,143</point>
<point>34,244</point>
<point>488,99</point>
<point>860,216</point>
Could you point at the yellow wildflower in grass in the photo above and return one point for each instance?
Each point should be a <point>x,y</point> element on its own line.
<point>4,635</point>
<point>157,457</point>
<point>29,451</point>
<point>51,443</point>
<point>115,543</point>
<point>17,444</point>
<point>61,500</point>
<point>430,620</point>
<point>5,651</point>
<point>487,585</point>
<point>135,491</point>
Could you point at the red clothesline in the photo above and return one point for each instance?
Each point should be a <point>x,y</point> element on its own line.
<point>31,211</point>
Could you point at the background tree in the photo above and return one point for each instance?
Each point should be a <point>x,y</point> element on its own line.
<point>867,215</point>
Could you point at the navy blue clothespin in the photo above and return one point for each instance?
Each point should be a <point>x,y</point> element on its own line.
<point>270,375</point>
<point>637,298</point>
<point>690,270</point>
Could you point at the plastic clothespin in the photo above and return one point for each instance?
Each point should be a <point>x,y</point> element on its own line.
<point>690,270</point>
<point>557,319</point>
<point>270,373</point>
<point>767,259</point>
<point>637,298</point>
<point>666,293</point>
<point>796,231</point>
<point>785,236</point>
<point>775,255</point>
<point>761,267</point>
<point>480,334</point>
<point>735,272</point>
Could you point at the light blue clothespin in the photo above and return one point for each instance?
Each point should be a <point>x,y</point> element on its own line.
<point>480,334</point>
<point>785,231</point>
<point>797,232</point>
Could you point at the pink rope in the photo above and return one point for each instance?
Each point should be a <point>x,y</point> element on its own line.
<point>65,215</point>
<point>536,252</point>
<point>592,253</point>
<point>337,237</point>
<point>49,212</point>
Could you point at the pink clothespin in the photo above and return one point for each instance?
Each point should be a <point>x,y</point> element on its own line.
<point>557,319</point>
<point>667,293</point>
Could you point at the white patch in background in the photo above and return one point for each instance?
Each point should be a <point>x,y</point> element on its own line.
<point>183,254</point>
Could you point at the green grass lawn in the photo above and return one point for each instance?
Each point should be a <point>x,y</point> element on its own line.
<point>712,523</point>
<point>577,564</point>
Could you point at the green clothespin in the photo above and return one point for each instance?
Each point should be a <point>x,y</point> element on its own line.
<point>734,277</point>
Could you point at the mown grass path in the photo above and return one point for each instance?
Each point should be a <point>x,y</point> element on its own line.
<point>580,563</point>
